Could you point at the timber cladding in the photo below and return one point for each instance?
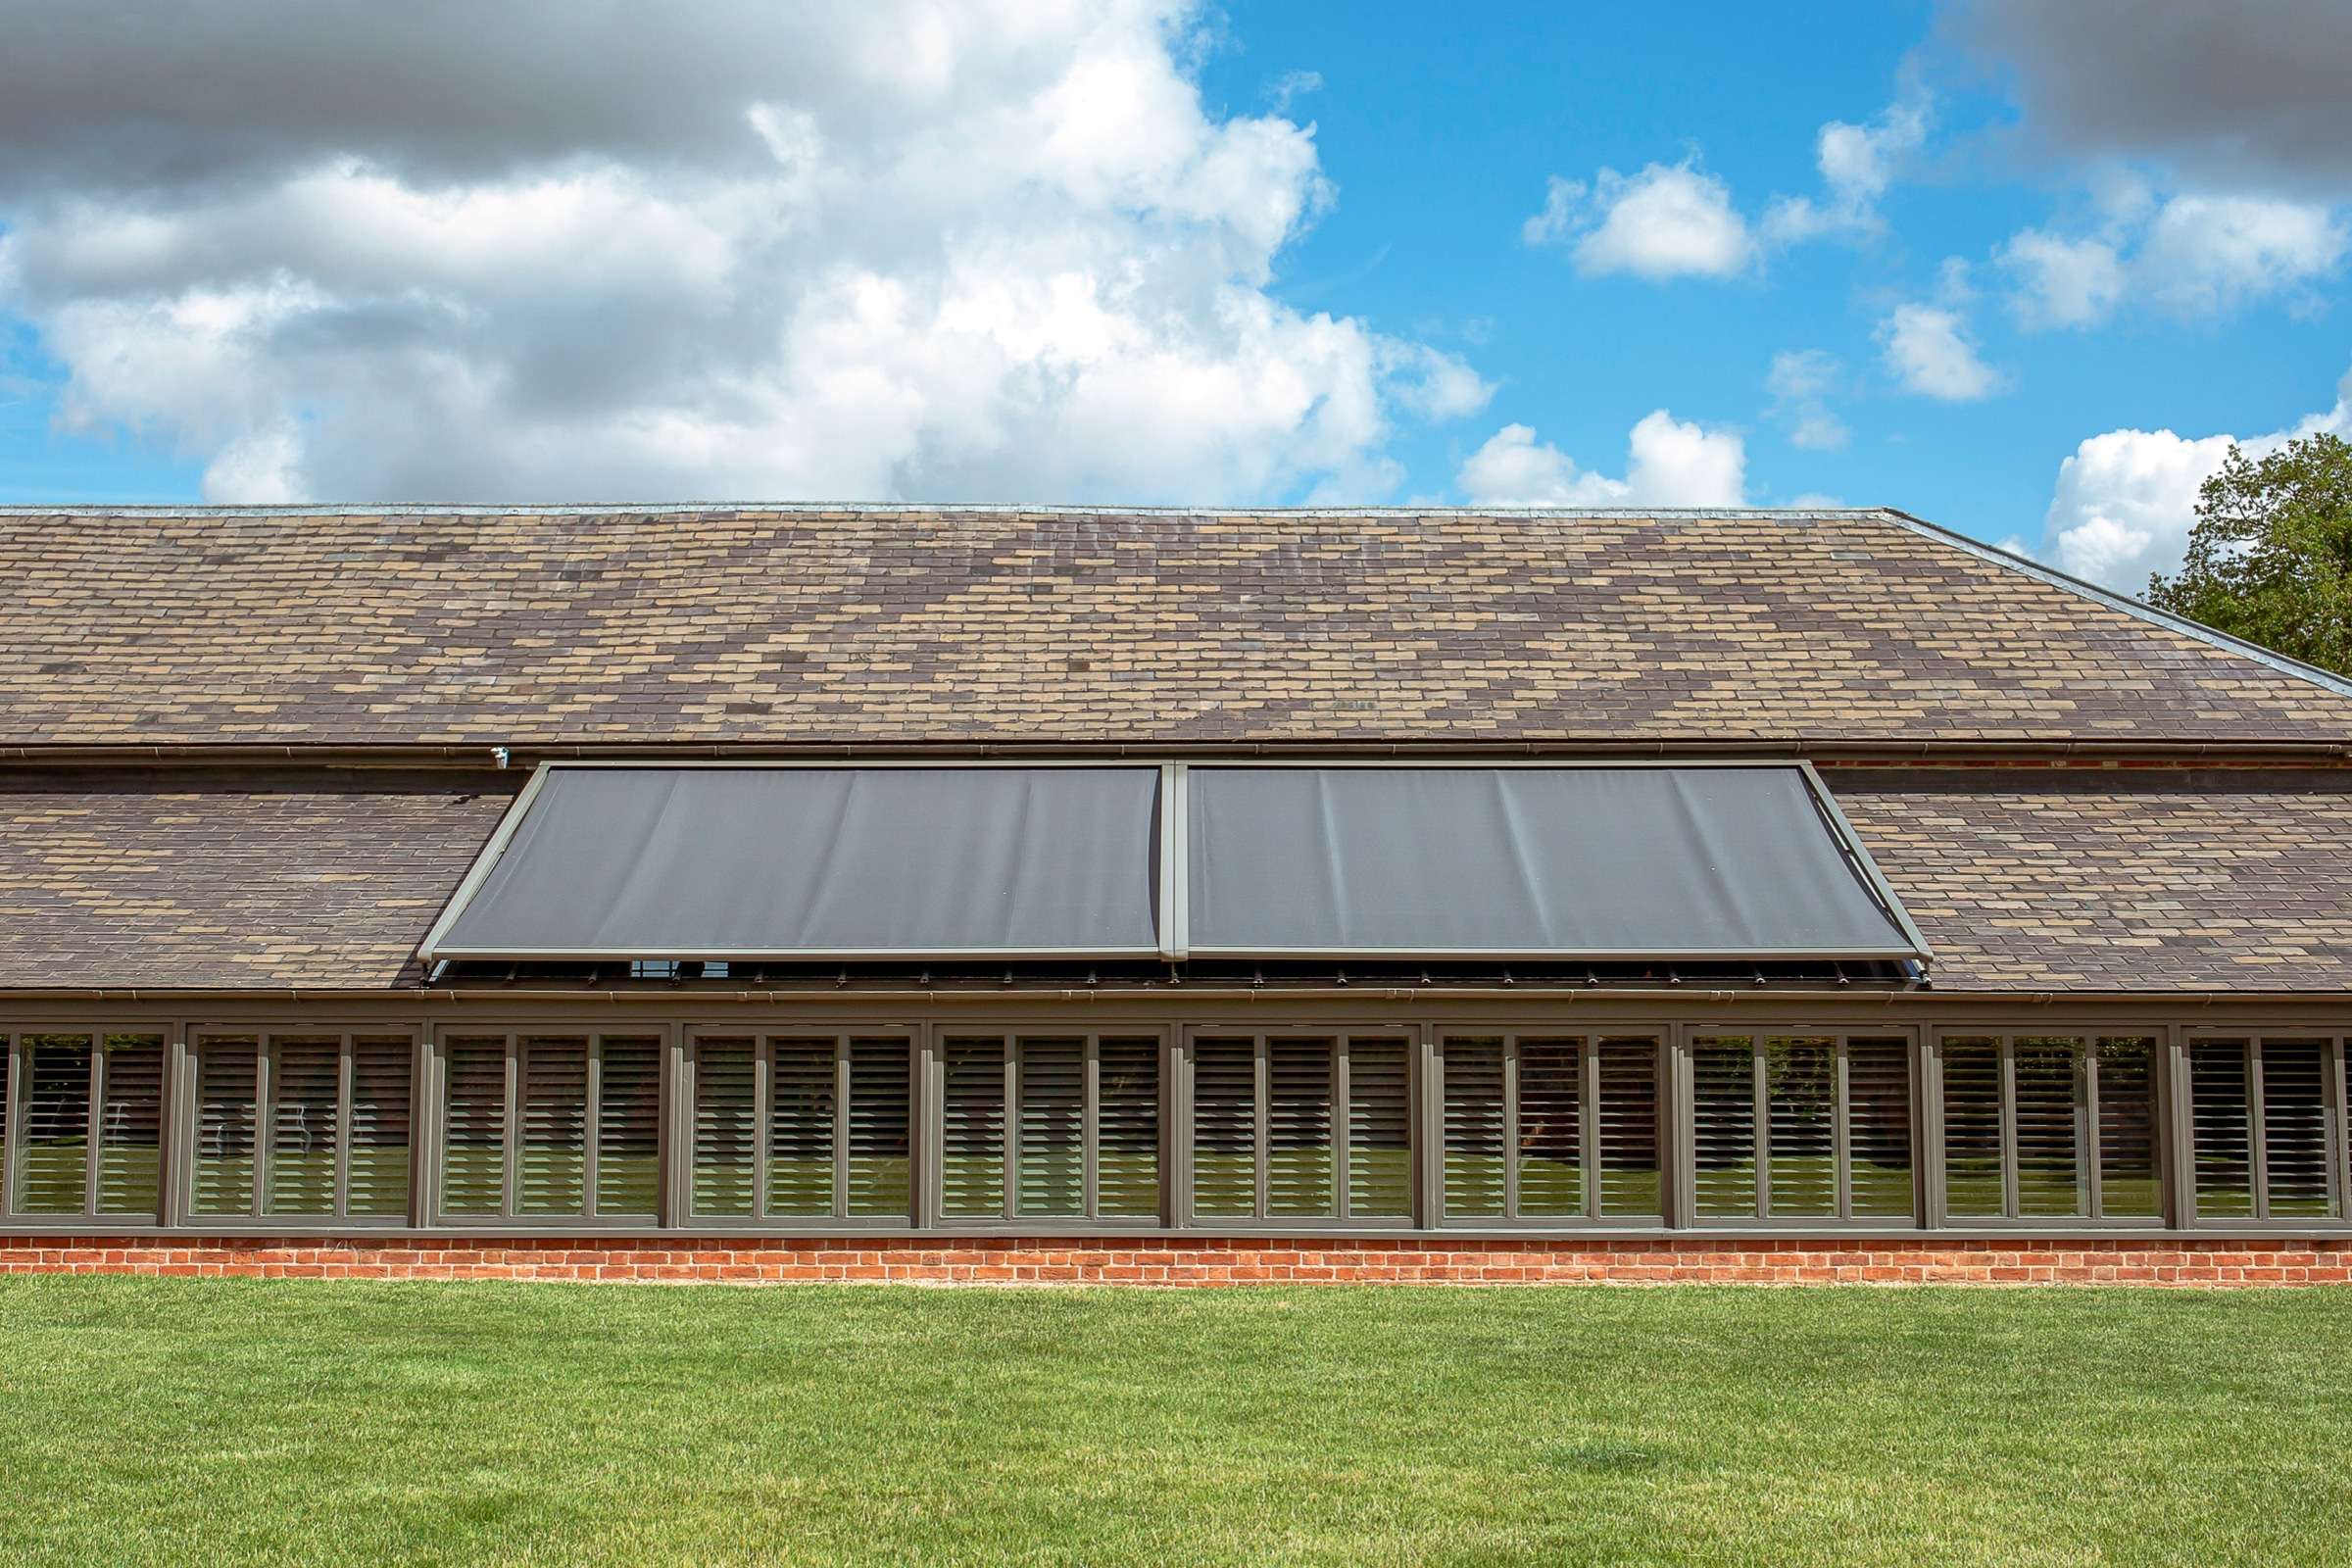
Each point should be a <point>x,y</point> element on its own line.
<point>1060,1260</point>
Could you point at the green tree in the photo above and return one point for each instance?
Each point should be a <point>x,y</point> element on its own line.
<point>2269,556</point>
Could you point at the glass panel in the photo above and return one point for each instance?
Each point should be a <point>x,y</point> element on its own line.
<point>1380,1163</point>
<point>1628,1118</point>
<point>725,1119</point>
<point>1801,1108</point>
<point>1723,1091</point>
<point>227,1119</point>
<point>1551,1145</point>
<point>801,1130</point>
<point>2294,1125</point>
<point>305,1089</point>
<point>1051,1170</point>
<point>1299,1149</point>
<point>972,1155</point>
<point>2128,1128</point>
<point>1474,1130</point>
<point>474,1157</point>
<point>1878,1102</point>
<point>629,1126</point>
<point>1127,1128</point>
<point>52,1171</point>
<point>1224,1127</point>
<point>1972,1127</point>
<point>381,1068</point>
<point>129,1125</point>
<point>552,1173</point>
<point>881,1176</point>
<point>2053,1175</point>
<point>2221,1126</point>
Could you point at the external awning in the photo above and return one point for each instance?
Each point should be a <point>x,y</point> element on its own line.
<point>1582,862</point>
<point>805,863</point>
<point>881,861</point>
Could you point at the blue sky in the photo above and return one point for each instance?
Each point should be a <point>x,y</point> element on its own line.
<point>1143,250</point>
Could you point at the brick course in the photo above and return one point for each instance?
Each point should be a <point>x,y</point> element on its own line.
<point>1207,1262</point>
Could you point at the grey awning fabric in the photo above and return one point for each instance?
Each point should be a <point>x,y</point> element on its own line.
<point>718,862</point>
<point>1659,862</point>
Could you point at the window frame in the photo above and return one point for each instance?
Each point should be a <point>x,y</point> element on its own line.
<point>422,1122</point>
<point>1091,1218</point>
<point>1841,1129</point>
<point>1932,1123</point>
<point>679,1128</point>
<point>1184,1132</point>
<point>433,1202</point>
<point>2335,1121</point>
<point>1589,1035</point>
<point>18,1070</point>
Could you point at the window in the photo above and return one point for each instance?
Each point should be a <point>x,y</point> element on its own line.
<point>2049,1126</point>
<point>1301,1126</point>
<point>802,1127</point>
<point>86,1139</point>
<point>1050,1127</point>
<point>1801,1127</point>
<point>551,1126</point>
<point>1549,1128</point>
<point>2264,1110</point>
<point>302,1124</point>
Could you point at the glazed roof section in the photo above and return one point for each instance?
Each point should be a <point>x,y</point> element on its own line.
<point>882,627</point>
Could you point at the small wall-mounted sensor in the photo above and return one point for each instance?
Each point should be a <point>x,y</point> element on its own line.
<point>499,754</point>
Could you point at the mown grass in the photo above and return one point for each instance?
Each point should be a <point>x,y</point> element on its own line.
<point>226,1421</point>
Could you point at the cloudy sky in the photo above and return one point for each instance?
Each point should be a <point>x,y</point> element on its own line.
<point>2022,268</point>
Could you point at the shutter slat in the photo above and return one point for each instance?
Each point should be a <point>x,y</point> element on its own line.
<point>801,1129</point>
<point>305,1086</point>
<point>228,1118</point>
<point>1224,1127</point>
<point>1878,1088</point>
<point>381,1099</point>
<point>1723,1093</point>
<point>1800,1097</point>
<point>881,1175</point>
<point>1299,1167</point>
<point>1551,1154</point>
<point>1473,1128</point>
<point>1052,1171</point>
<point>1380,1165</point>
<point>1127,1127</point>
<point>725,1115</point>
<point>2294,1125</point>
<point>1972,1127</point>
<point>629,1126</point>
<point>2222,1127</point>
<point>973,1147</point>
<point>52,1169</point>
<point>1628,1118</point>
<point>129,1126</point>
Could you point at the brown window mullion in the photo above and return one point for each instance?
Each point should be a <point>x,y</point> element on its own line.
<point>1588,1119</point>
<point>345,1048</point>
<point>841,1127</point>
<point>2007,1070</point>
<point>2090,1154</point>
<point>1342,1124</point>
<point>1842,1140</point>
<point>2258,1132</point>
<point>511,1174</point>
<point>93,1121</point>
<point>1510,1126</point>
<point>1261,1122</point>
<point>591,1123</point>
<point>264,1118</point>
<point>1759,1103</point>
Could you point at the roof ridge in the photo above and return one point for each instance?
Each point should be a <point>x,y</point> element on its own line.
<point>896,508</point>
<point>2138,609</point>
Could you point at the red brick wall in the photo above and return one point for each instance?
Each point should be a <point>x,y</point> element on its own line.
<point>1207,1262</point>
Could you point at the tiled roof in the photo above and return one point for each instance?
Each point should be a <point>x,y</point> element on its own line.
<point>2020,882</point>
<point>1025,628</point>
<point>2150,886</point>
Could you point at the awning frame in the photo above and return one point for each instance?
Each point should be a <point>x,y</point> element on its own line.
<point>1173,849</point>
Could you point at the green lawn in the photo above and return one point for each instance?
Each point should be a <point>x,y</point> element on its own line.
<point>226,1421</point>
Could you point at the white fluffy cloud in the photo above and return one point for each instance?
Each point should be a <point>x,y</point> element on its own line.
<point>2126,498</point>
<point>1929,348</point>
<point>1669,463</point>
<point>898,250</point>
<point>2194,255</point>
<point>1857,163</point>
<point>1669,220</point>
